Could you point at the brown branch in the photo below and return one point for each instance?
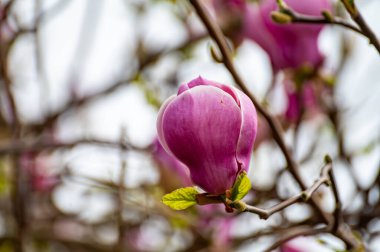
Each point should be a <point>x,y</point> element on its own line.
<point>338,204</point>
<point>120,195</point>
<point>75,103</point>
<point>359,20</point>
<point>18,185</point>
<point>20,146</point>
<point>293,233</point>
<point>144,62</point>
<point>302,196</point>
<point>300,18</point>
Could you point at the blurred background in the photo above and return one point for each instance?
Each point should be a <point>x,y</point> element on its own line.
<point>81,85</point>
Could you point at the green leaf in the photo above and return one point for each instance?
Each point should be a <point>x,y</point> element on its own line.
<point>241,187</point>
<point>181,198</point>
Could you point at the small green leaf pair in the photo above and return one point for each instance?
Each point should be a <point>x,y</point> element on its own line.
<point>186,197</point>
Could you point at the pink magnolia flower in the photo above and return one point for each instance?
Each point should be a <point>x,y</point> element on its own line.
<point>287,45</point>
<point>211,128</point>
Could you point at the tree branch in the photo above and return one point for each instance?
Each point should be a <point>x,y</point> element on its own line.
<point>300,18</point>
<point>302,196</point>
<point>75,103</point>
<point>359,20</point>
<point>20,147</point>
<point>338,204</point>
<point>18,185</point>
<point>293,233</point>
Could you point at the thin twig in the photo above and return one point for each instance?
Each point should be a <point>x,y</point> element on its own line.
<point>120,194</point>
<point>300,18</point>
<point>20,146</point>
<point>359,20</point>
<point>295,233</point>
<point>75,103</point>
<point>338,204</point>
<point>302,196</point>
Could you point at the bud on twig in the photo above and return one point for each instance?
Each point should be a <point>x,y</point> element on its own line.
<point>328,159</point>
<point>216,56</point>
<point>328,16</point>
<point>280,17</point>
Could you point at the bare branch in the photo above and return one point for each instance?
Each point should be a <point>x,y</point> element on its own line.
<point>120,195</point>
<point>75,103</point>
<point>20,147</point>
<point>293,233</point>
<point>302,196</point>
<point>359,20</point>
<point>338,204</point>
<point>306,19</point>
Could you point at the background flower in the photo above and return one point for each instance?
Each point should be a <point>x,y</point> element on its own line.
<point>287,45</point>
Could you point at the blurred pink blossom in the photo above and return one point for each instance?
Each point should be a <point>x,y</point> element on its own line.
<point>213,218</point>
<point>287,45</point>
<point>303,101</point>
<point>37,168</point>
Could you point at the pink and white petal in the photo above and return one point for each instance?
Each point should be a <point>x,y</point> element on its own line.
<point>160,116</point>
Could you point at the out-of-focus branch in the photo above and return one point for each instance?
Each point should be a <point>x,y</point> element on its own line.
<point>76,103</point>
<point>18,185</point>
<point>6,9</point>
<point>295,232</point>
<point>338,204</point>
<point>302,196</point>
<point>359,20</point>
<point>75,245</point>
<point>120,195</point>
<point>19,147</point>
<point>295,17</point>
<point>300,18</point>
<point>51,119</point>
